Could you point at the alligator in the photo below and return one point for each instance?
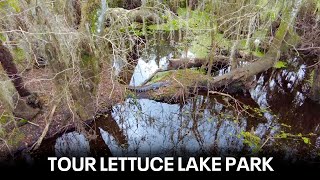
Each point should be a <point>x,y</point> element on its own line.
<point>149,87</point>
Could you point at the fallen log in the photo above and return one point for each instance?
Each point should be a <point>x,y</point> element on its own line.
<point>183,63</point>
<point>219,61</point>
<point>240,75</point>
<point>243,74</point>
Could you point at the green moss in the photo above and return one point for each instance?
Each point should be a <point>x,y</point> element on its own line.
<point>19,55</point>
<point>93,17</point>
<point>242,44</point>
<point>89,66</point>
<point>181,80</point>
<point>91,14</point>
<point>115,3</point>
<point>187,76</point>
<point>160,76</point>
<point>310,79</point>
<point>14,4</point>
<point>4,119</point>
<point>89,61</point>
<point>87,58</point>
<point>2,37</point>
<point>15,137</point>
<point>6,92</point>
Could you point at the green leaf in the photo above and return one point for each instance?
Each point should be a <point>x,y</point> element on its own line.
<point>285,125</point>
<point>283,135</point>
<point>258,53</point>
<point>306,140</point>
<point>251,140</point>
<point>23,121</point>
<point>280,64</point>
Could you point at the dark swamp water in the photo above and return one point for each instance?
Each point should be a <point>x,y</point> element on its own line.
<point>275,117</point>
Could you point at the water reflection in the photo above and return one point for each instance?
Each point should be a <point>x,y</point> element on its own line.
<point>144,70</point>
<point>72,144</point>
<point>147,66</point>
<point>155,128</point>
<point>212,124</point>
<point>203,125</point>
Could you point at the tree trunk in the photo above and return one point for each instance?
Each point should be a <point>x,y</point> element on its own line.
<point>9,66</point>
<point>20,108</point>
<point>315,89</point>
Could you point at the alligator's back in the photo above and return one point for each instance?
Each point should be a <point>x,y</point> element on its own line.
<point>149,87</point>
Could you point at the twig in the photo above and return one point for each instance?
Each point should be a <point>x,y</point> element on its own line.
<point>150,77</point>
<point>33,123</point>
<point>44,132</point>
<point>178,82</point>
<point>222,94</point>
<point>113,85</point>
<point>313,64</point>
<point>265,142</point>
<point>307,48</point>
<point>238,104</point>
